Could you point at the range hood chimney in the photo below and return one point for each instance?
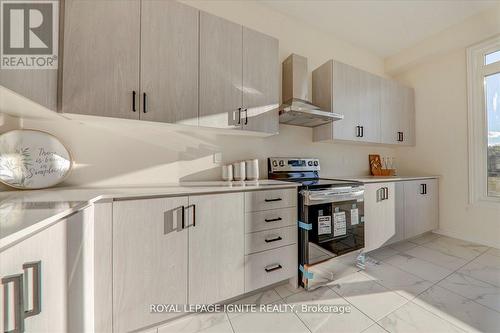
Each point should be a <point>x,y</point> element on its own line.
<point>296,109</point>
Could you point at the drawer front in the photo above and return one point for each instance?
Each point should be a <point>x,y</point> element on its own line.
<point>271,199</point>
<point>270,219</point>
<point>270,239</point>
<point>281,264</point>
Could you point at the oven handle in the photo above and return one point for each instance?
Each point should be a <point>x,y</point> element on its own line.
<point>326,195</point>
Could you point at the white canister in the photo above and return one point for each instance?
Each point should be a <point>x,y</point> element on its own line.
<point>239,171</point>
<point>252,169</point>
<point>227,172</point>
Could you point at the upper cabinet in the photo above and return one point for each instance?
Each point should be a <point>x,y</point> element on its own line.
<point>375,110</point>
<point>101,58</point>
<point>239,73</point>
<point>168,62</point>
<point>397,113</point>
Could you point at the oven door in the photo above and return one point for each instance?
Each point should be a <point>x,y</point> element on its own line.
<point>333,225</point>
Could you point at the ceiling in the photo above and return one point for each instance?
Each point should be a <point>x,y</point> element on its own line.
<point>385,27</point>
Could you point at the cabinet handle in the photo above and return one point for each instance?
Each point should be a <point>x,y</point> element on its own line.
<point>273,239</point>
<point>358,131</point>
<point>386,190</point>
<point>362,131</point>
<point>273,268</point>
<point>36,267</point>
<point>271,200</point>
<point>133,101</point>
<point>194,213</point>
<point>183,214</point>
<point>273,220</point>
<point>246,116</point>
<point>402,136</point>
<point>17,281</point>
<point>239,116</point>
<point>423,188</point>
<point>144,103</point>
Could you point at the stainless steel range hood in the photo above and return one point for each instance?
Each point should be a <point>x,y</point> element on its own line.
<point>296,110</point>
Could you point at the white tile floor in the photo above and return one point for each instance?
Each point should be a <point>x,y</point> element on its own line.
<point>427,284</point>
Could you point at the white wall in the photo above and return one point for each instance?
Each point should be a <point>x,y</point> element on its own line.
<point>7,123</point>
<point>112,152</point>
<point>441,130</point>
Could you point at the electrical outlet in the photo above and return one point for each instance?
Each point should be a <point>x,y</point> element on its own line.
<point>217,158</point>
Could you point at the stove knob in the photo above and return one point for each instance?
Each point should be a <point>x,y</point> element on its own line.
<point>310,163</point>
<point>282,163</point>
<point>315,163</point>
<point>275,163</point>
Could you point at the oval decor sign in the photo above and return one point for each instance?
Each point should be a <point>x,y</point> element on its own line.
<point>31,159</point>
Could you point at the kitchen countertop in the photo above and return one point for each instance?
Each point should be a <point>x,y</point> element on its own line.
<point>23,213</point>
<point>382,179</point>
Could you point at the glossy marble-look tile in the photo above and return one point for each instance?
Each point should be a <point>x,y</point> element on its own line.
<point>456,247</point>
<point>436,257</point>
<point>375,328</point>
<point>485,268</point>
<point>224,327</point>
<point>328,272</point>
<point>367,295</point>
<point>425,238</point>
<point>193,323</point>
<point>287,289</point>
<point>404,283</point>
<point>351,321</point>
<point>265,297</point>
<point>418,267</point>
<point>493,251</point>
<point>382,253</point>
<point>411,318</point>
<point>478,291</point>
<point>458,310</point>
<point>264,322</point>
<point>402,246</point>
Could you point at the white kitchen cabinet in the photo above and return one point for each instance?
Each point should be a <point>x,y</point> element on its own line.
<point>421,206</point>
<point>341,88</point>
<point>216,247</point>
<point>63,289</point>
<point>150,260</point>
<point>379,214</point>
<point>397,112</point>
<point>399,206</point>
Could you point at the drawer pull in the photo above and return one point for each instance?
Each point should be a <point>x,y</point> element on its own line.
<point>18,303</point>
<point>271,200</point>
<point>273,220</point>
<point>273,239</point>
<point>35,268</point>
<point>273,268</point>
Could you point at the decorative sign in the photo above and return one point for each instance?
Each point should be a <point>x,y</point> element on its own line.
<point>31,159</point>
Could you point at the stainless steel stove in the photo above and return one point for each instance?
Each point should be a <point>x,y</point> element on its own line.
<point>331,215</point>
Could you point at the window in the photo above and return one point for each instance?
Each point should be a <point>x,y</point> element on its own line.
<point>483,75</point>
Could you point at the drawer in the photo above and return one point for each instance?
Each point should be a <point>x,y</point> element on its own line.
<point>270,239</point>
<point>270,219</point>
<point>270,199</point>
<point>268,267</point>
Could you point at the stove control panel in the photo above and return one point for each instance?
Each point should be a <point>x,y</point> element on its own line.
<point>290,164</point>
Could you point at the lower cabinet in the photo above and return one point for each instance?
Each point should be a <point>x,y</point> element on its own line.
<point>47,280</point>
<point>421,207</point>
<point>379,214</point>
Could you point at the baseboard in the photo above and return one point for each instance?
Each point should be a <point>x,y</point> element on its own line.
<point>469,239</point>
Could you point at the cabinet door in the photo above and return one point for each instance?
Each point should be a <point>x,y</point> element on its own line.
<point>260,82</point>
<point>216,247</point>
<point>391,108</point>
<point>400,213</point>
<point>421,207</point>
<point>169,62</point>
<point>40,86</point>
<point>369,106</point>
<point>346,92</point>
<point>101,58</point>
<point>379,214</point>
<point>407,120</point>
<point>149,260</point>
<point>49,247</point>
<point>220,72</point>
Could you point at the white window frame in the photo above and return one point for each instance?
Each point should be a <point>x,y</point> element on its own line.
<point>477,118</point>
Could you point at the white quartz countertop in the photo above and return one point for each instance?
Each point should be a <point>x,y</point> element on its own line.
<point>23,213</point>
<point>383,179</point>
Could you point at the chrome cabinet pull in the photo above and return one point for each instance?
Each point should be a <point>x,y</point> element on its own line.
<point>35,267</point>
<point>272,200</point>
<point>271,268</point>
<point>17,283</point>
<point>273,220</point>
<point>273,239</point>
